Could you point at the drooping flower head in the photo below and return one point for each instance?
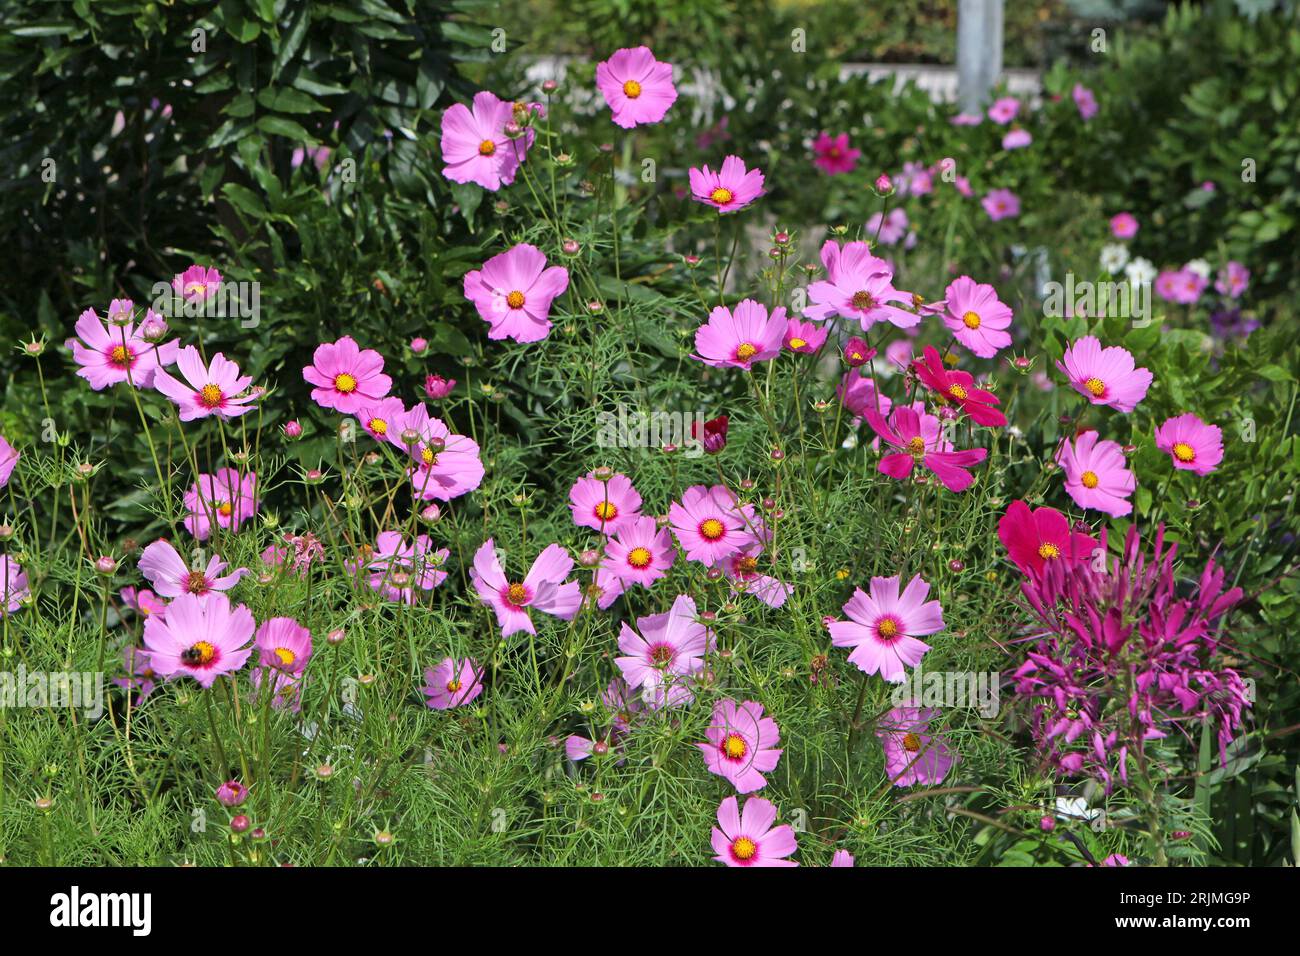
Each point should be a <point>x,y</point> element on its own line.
<point>213,389</point>
<point>884,626</point>
<point>1097,475</point>
<point>739,338</point>
<point>347,377</point>
<point>913,755</point>
<point>475,146</point>
<point>542,589</point>
<point>400,569</point>
<point>604,506</point>
<point>226,497</point>
<point>858,285</point>
<point>641,552</point>
<point>638,88</point>
<point>1105,376</point>
<point>171,576</point>
<point>833,154</point>
<point>1036,538</point>
<point>741,744</point>
<point>955,387</point>
<point>749,839</point>
<point>199,638</point>
<point>708,524</point>
<point>977,317</point>
<point>117,353</point>
<point>1191,444</point>
<point>664,651</point>
<point>445,466</point>
<point>452,683</point>
<point>730,189</point>
<point>513,293</point>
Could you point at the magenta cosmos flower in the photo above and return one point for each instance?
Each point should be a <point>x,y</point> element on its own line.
<point>708,524</point>
<point>637,87</point>
<point>1001,204</point>
<point>1035,539</point>
<point>513,293</point>
<point>739,339</point>
<point>1017,139</point>
<point>1191,444</point>
<point>1096,475</point>
<point>913,755</point>
<point>920,441</point>
<point>446,466</point>
<point>640,553</point>
<point>858,286</point>
<point>669,648</point>
<point>9,456</point>
<point>857,392</point>
<point>452,683</point>
<point>605,506</point>
<point>197,283</point>
<point>883,626</point>
<point>1105,376</point>
<point>750,839</point>
<point>730,189</point>
<point>166,570</point>
<point>475,146</point>
<point>202,639</point>
<point>399,569</point>
<point>543,588</point>
<point>803,336</point>
<point>118,353</point>
<point>977,317</point>
<point>833,155</point>
<point>741,744</point>
<point>1123,225</point>
<point>347,378</point>
<point>227,497</point>
<point>212,389</point>
<point>1004,110</point>
<point>13,585</point>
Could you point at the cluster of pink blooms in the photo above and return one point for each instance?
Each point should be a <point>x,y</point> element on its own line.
<point>1185,286</point>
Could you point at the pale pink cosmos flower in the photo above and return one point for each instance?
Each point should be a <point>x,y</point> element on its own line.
<point>884,626</point>
<point>212,389</point>
<point>1232,279</point>
<point>543,588</point>
<point>1004,110</point>
<point>347,378</point>
<point>382,419</point>
<point>913,755</point>
<point>1097,475</point>
<point>730,189</point>
<point>197,284</point>
<point>513,293</point>
<point>171,576</point>
<point>668,651</point>
<point>742,570</point>
<point>199,638</point>
<point>9,456</point>
<point>453,683</point>
<point>1123,225</point>
<point>833,155</point>
<point>475,146</point>
<point>750,839</point>
<point>638,88</point>
<point>1017,139</point>
<point>1166,284</point>
<point>741,744</point>
<point>1085,101</point>
<point>142,601</point>
<point>640,553</point>
<point>708,524</point>
<point>14,589</point>
<point>1188,284</point>
<point>605,506</point>
<point>227,496</point>
<point>842,858</point>
<point>1105,376</point>
<point>858,393</point>
<point>446,465</point>
<point>976,315</point>
<point>1191,444</point>
<point>919,438</point>
<point>858,286</point>
<point>108,355</point>
<point>739,339</point>
<point>888,228</point>
<point>803,336</point>
<point>399,569</point>
<point>1001,204</point>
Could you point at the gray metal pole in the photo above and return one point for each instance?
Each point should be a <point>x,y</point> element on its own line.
<point>979,51</point>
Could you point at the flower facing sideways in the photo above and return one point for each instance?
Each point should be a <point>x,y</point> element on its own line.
<point>475,146</point>
<point>858,285</point>
<point>913,755</point>
<point>167,571</point>
<point>108,355</point>
<point>212,389</point>
<point>920,441</point>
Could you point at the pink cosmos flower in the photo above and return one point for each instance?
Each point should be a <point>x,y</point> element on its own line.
<point>730,189</point>
<point>382,419</point>
<point>475,146</point>
<point>637,87</point>
<point>1004,110</point>
<point>213,389</point>
<point>669,648</point>
<point>446,465</point>
<point>858,393</point>
<point>140,676</point>
<point>452,683</point>
<point>739,339</point>
<point>1232,280</point>
<point>108,355</point>
<point>1001,204</point>
<point>13,585</point>
<point>232,793</point>
<point>284,647</point>
<point>1191,444</point>
<point>142,601</point>
<point>1096,475</point>
<point>883,626</point>
<point>227,496</point>
<point>1123,225</point>
<point>1105,376</point>
<point>708,524</point>
<point>1017,139</point>
<point>542,589</point>
<point>977,317</point>
<point>888,229</point>
<point>1188,285</point>
<point>513,293</point>
<point>953,386</point>
<point>197,284</point>
<point>921,442</point>
<point>299,551</point>
<point>1034,539</point>
<point>913,756</point>
<point>833,155</point>
<point>199,638</point>
<point>742,569</point>
<point>1166,284</point>
<point>967,119</point>
<point>346,377</point>
<point>171,576</point>
<point>641,552</point>
<point>437,387</point>
<point>858,286</point>
<point>604,506</point>
<point>803,336</point>
<point>842,858</point>
<point>1085,101</point>
<point>9,456</point>
<point>398,568</point>
<point>749,839</point>
<point>741,744</point>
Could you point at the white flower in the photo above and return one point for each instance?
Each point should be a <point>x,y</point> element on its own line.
<point>1075,808</point>
<point>1114,256</point>
<point>1140,271</point>
<point>1200,267</point>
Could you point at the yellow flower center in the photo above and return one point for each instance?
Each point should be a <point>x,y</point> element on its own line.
<point>887,628</point>
<point>631,89</point>
<point>224,509</point>
<point>517,594</point>
<point>957,391</point>
<point>119,355</point>
<point>721,195</point>
<point>515,300</point>
<point>345,383</point>
<point>1096,386</point>
<point>747,565</point>
<point>378,426</point>
<point>863,300</point>
<point>744,848</point>
<point>453,685</point>
<point>487,148</point>
<point>911,743</point>
<point>1184,452</point>
<point>1089,479</point>
<point>745,351</point>
<point>1048,551</point>
<point>606,511</point>
<point>428,455</point>
<point>917,445</point>
<point>734,746</point>
<point>200,654</point>
<point>639,557</point>
<point>210,396</point>
<point>286,656</point>
<point>797,343</point>
<point>971,320</point>
<point>712,529</point>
